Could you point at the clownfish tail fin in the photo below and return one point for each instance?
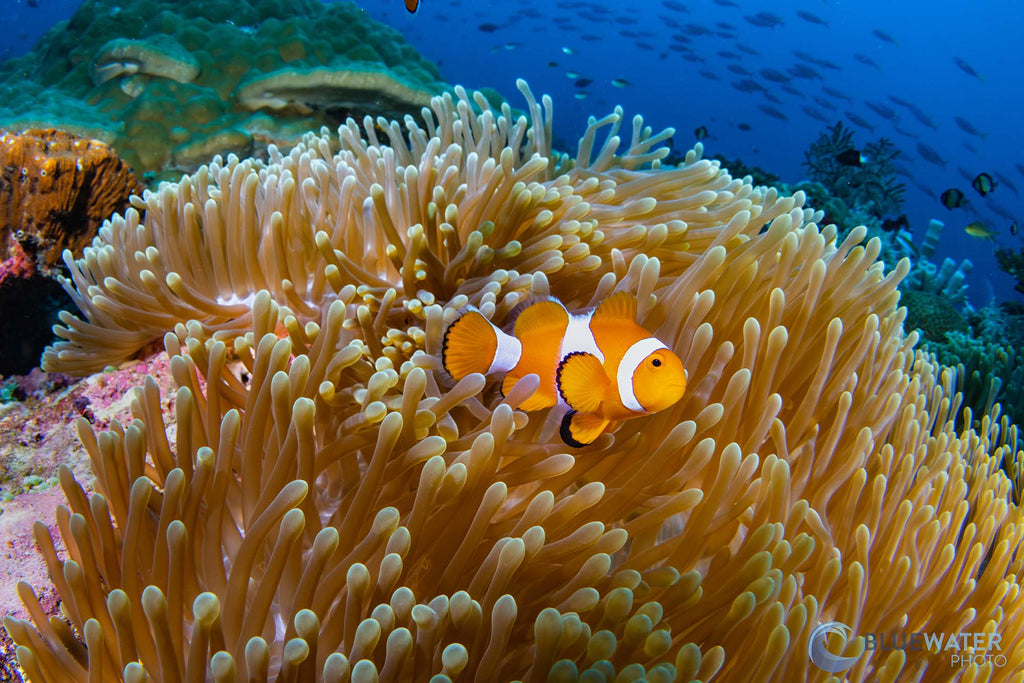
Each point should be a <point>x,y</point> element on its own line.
<point>473,344</point>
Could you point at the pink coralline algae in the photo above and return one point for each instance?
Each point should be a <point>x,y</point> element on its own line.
<point>37,438</point>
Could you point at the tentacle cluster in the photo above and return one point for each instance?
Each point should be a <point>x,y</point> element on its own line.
<point>351,514</point>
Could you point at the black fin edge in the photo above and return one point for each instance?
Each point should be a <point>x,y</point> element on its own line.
<point>444,347</point>
<point>558,376</point>
<point>565,431</point>
<point>444,339</point>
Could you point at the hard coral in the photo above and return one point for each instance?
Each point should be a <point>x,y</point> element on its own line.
<point>56,189</point>
<point>162,80</point>
<point>933,313</point>
<point>870,186</point>
<point>343,510</point>
<point>160,56</point>
<point>343,89</point>
<point>947,280</point>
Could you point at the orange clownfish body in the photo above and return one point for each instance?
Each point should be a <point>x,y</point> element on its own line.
<point>411,5</point>
<point>600,364</point>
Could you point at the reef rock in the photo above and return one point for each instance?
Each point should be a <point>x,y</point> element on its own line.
<point>56,189</point>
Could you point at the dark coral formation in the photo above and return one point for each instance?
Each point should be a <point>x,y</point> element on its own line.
<point>985,346</point>
<point>758,175</point>
<point>871,186</point>
<point>931,313</point>
<point>162,81</point>
<point>1011,262</point>
<point>29,307</point>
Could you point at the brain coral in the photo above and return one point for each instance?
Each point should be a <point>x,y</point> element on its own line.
<point>169,84</point>
<point>341,511</point>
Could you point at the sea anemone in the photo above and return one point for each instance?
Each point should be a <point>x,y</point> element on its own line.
<point>329,505</point>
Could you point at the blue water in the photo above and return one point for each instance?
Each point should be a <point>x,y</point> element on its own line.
<point>668,90</point>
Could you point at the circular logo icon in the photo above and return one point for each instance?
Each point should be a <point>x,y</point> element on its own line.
<point>817,647</point>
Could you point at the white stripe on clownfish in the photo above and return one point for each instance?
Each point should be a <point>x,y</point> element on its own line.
<point>579,337</point>
<point>508,353</point>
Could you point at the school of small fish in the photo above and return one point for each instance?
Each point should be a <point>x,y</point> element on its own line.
<point>809,85</point>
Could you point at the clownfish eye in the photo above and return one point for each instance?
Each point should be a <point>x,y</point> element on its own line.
<point>656,362</point>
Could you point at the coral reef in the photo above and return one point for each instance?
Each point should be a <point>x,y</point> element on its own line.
<point>986,353</point>
<point>1000,323</point>
<point>933,314</point>
<point>56,189</point>
<point>758,176</point>
<point>170,84</point>
<point>872,186</point>
<point>948,281</point>
<point>1011,262</point>
<point>987,373</point>
<point>330,506</point>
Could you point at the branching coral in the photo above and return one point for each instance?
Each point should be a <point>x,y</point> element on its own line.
<point>872,186</point>
<point>350,514</point>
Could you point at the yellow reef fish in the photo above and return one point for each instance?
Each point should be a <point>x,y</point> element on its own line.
<point>598,365</point>
<point>980,231</point>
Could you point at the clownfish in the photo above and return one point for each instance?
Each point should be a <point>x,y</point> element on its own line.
<point>411,5</point>
<point>599,365</point>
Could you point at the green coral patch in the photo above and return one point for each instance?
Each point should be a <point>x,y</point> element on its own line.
<point>163,81</point>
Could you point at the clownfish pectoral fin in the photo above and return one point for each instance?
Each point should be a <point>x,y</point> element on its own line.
<point>620,305</point>
<point>541,399</point>
<point>470,345</point>
<point>582,381</point>
<point>582,429</point>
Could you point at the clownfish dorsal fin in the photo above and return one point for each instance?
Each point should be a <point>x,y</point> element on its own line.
<point>546,316</point>
<point>513,315</point>
<point>582,429</point>
<point>620,305</point>
<point>582,381</point>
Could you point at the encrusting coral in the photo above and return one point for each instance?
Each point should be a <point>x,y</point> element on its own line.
<point>169,84</point>
<point>342,511</point>
<point>56,189</point>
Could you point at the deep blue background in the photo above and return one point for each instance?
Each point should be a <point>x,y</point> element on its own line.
<point>668,90</point>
